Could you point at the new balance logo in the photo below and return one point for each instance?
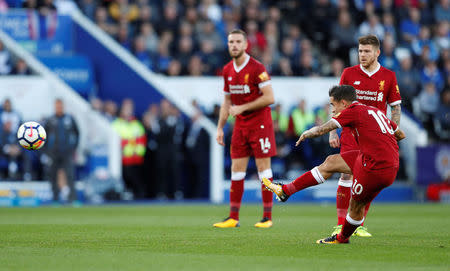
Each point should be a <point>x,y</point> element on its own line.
<point>356,82</point>
<point>230,78</point>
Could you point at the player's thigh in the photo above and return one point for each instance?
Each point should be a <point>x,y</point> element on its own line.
<point>239,164</point>
<point>367,184</point>
<point>262,140</point>
<point>240,147</point>
<point>262,163</point>
<point>334,163</point>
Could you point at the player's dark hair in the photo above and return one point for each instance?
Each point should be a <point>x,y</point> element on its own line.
<point>238,31</point>
<point>343,92</point>
<point>369,40</point>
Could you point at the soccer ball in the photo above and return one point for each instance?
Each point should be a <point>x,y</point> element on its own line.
<point>31,135</point>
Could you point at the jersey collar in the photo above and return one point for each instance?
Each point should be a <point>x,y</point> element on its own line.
<point>370,73</point>
<point>238,69</point>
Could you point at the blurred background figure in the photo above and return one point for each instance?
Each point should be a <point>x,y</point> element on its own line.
<point>62,141</point>
<point>132,134</point>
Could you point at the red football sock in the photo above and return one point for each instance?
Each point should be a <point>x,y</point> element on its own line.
<point>236,192</point>
<point>348,229</point>
<point>302,182</point>
<point>366,210</point>
<point>343,196</point>
<point>267,198</point>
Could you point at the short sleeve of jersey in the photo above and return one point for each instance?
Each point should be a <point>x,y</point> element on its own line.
<point>394,97</point>
<point>262,77</point>
<point>345,118</point>
<point>343,79</point>
<point>226,88</point>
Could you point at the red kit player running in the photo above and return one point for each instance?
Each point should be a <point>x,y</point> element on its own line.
<point>375,86</point>
<point>248,94</point>
<point>374,165</point>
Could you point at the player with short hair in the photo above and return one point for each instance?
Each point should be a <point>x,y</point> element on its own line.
<point>248,94</point>
<point>375,86</point>
<point>374,165</point>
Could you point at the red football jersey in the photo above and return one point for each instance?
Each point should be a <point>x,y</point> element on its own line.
<point>377,89</point>
<point>243,84</point>
<point>374,133</point>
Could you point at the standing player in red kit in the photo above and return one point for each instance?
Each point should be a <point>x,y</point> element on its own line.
<point>375,86</point>
<point>248,94</point>
<point>374,165</point>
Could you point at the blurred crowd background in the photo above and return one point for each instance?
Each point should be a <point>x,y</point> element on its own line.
<point>291,38</point>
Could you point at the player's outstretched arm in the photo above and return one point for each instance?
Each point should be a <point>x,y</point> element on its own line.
<point>317,131</point>
<point>262,101</point>
<point>223,116</point>
<point>396,112</point>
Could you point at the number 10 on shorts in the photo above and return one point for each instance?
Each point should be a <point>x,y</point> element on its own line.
<point>265,144</point>
<point>357,188</point>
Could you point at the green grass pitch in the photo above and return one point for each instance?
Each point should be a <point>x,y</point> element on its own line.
<point>181,237</point>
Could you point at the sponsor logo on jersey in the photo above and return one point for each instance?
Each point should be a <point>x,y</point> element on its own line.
<point>239,89</point>
<point>381,84</point>
<point>366,95</point>
<point>380,97</point>
<point>356,82</point>
<point>263,76</point>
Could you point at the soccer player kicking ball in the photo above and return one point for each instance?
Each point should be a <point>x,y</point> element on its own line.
<point>248,94</point>
<point>375,86</point>
<point>374,166</point>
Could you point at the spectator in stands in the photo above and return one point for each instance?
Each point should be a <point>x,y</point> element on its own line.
<point>150,37</point>
<point>21,68</point>
<point>442,37</point>
<point>387,57</point>
<point>97,105</point>
<point>389,25</point>
<point>88,7</point>
<point>408,79</point>
<point>208,33</point>
<point>321,16</point>
<point>122,10</point>
<point>428,103</point>
<point>5,60</point>
<point>102,21</point>
<point>211,10</point>
<point>132,134</point>
<point>431,73</point>
<point>195,66</point>
<point>343,36</point>
<point>110,110</point>
<point>410,27</point>
<point>442,116</point>
<point>123,36</point>
<point>8,114</point>
<point>62,141</point>
<point>175,68</point>
<point>288,50</point>
<point>423,40</point>
<point>337,67</point>
<point>141,53</point>
<point>10,152</point>
<point>285,67</point>
<point>442,11</point>
<point>307,65</point>
<point>170,18</point>
<point>257,43</point>
<point>372,26</point>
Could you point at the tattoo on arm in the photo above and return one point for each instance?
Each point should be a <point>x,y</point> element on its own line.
<point>321,130</point>
<point>396,112</point>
